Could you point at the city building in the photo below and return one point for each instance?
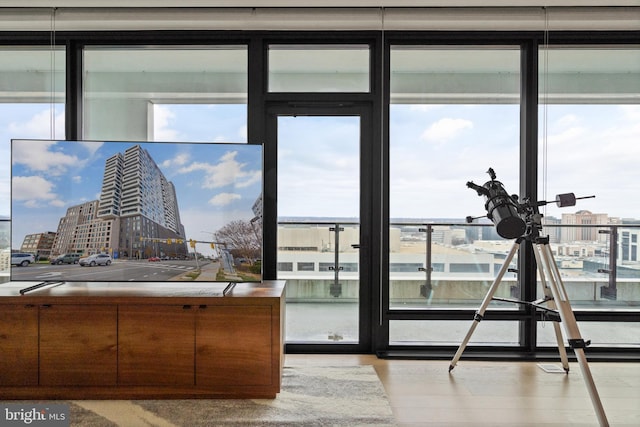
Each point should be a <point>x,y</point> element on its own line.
<point>137,215</point>
<point>39,244</point>
<point>135,191</point>
<point>81,231</point>
<point>584,234</point>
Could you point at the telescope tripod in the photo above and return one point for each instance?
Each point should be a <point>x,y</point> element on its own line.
<point>559,308</point>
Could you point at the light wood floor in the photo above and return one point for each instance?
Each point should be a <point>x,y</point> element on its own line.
<point>424,393</point>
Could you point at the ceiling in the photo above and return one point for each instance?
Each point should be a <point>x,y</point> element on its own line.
<point>314,3</point>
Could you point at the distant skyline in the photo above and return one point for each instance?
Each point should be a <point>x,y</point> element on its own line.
<point>435,149</point>
<point>215,183</point>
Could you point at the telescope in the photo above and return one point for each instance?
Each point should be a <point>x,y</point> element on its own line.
<point>512,218</point>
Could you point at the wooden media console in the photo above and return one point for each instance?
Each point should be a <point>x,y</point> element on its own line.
<point>141,341</point>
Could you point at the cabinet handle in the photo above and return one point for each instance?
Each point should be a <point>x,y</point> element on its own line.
<point>203,306</point>
<point>45,306</point>
<point>186,307</point>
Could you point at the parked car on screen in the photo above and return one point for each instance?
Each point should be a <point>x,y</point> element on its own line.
<point>66,259</point>
<point>95,259</point>
<point>154,259</point>
<point>22,260</point>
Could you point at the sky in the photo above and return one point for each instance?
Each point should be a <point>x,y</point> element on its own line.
<point>584,149</point>
<point>435,150</point>
<point>215,183</point>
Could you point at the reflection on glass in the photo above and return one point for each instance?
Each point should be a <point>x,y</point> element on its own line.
<point>127,92</point>
<point>601,334</point>
<point>319,68</point>
<point>446,332</point>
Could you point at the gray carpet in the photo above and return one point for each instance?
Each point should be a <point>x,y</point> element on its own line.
<point>311,396</point>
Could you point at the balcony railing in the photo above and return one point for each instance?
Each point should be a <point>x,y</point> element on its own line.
<point>447,265</point>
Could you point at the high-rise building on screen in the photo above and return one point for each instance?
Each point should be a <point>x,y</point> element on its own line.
<point>137,215</point>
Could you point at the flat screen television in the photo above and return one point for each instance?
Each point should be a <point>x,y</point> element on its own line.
<point>124,211</point>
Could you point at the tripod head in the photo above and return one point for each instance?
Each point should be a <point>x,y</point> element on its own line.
<point>511,217</point>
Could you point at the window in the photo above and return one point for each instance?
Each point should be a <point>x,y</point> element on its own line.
<point>589,114</point>
<point>318,68</point>
<point>32,93</point>
<point>166,93</point>
<point>454,113</point>
<point>306,266</point>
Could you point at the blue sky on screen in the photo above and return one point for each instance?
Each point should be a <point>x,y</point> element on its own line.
<point>221,180</point>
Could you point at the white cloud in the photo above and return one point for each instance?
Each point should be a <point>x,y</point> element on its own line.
<point>251,178</point>
<point>445,129</point>
<point>242,133</point>
<point>43,159</point>
<point>39,126</point>
<point>179,160</point>
<point>91,146</point>
<point>227,171</point>
<point>568,120</point>
<point>224,199</point>
<point>631,112</point>
<point>33,190</point>
<point>162,118</point>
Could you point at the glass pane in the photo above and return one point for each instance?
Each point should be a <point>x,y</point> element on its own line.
<point>448,332</point>
<point>32,92</point>
<point>463,264</point>
<point>5,250</point>
<point>454,114</point>
<point>318,68</point>
<point>589,113</point>
<point>318,212</point>
<point>601,334</point>
<point>130,93</point>
<point>199,122</point>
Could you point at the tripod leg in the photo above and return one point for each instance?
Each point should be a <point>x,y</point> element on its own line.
<point>561,349</point>
<point>485,303</point>
<point>571,327</point>
<point>551,302</point>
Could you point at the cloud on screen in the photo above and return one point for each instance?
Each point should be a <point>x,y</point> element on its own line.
<point>226,172</point>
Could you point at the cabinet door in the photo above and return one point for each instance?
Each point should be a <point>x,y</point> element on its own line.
<point>156,345</point>
<point>18,345</point>
<point>233,346</point>
<point>78,345</point>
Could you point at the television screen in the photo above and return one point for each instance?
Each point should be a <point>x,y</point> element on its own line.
<point>135,211</point>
